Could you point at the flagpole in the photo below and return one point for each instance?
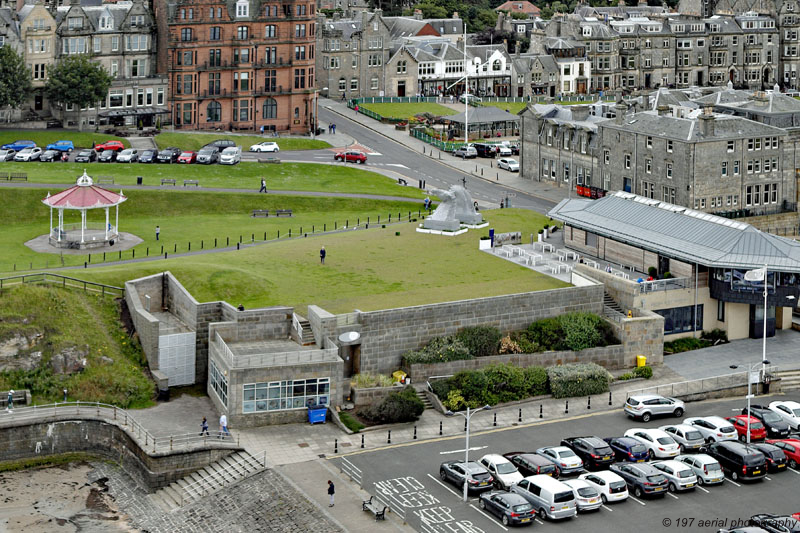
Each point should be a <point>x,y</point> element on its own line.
<point>764,338</point>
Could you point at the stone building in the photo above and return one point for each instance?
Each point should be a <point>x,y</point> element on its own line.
<point>788,17</point>
<point>536,75</point>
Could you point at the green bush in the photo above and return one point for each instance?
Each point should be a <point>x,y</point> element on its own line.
<point>474,387</point>
<point>571,331</point>
<point>454,401</point>
<point>652,271</point>
<point>367,380</point>
<point>441,387</point>
<point>506,383</point>
<point>351,423</point>
<point>522,339</point>
<point>404,406</point>
<point>494,384</point>
<point>626,376</point>
<point>643,372</point>
<point>439,350</point>
<point>581,330</point>
<point>547,333</point>
<point>536,380</point>
<point>480,340</point>
<point>685,344</point>
<point>581,379</point>
<point>715,335</point>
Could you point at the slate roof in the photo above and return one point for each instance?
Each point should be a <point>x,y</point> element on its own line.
<point>770,103</point>
<point>680,232</point>
<point>689,130</point>
<point>518,6</point>
<point>525,63</point>
<point>447,26</point>
<point>563,115</point>
<point>404,26</point>
<point>483,115</point>
<point>724,96</point>
<point>347,27</point>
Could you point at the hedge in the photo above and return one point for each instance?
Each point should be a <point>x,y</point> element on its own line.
<point>498,383</point>
<point>480,341</point>
<point>439,350</point>
<point>403,406</point>
<point>581,379</point>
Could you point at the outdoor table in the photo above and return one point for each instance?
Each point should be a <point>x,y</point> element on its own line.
<point>591,263</point>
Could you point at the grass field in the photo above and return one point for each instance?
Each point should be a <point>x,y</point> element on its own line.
<point>511,107</point>
<point>194,141</point>
<point>285,176</point>
<point>367,270</point>
<point>409,110</point>
<point>44,137</point>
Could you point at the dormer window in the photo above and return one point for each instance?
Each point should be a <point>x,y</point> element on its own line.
<point>587,32</point>
<point>242,9</point>
<point>75,23</point>
<point>136,20</point>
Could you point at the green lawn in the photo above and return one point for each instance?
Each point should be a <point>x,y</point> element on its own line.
<point>194,141</point>
<point>511,107</point>
<point>409,110</point>
<point>367,270</point>
<point>246,175</point>
<point>44,137</point>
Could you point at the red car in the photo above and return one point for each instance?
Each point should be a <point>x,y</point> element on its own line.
<point>110,145</point>
<point>757,429</point>
<point>187,157</point>
<point>791,447</point>
<point>351,156</point>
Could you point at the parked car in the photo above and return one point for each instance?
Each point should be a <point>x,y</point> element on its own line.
<point>130,155</point>
<point>550,497</point>
<point>503,471</point>
<point>54,123</point>
<point>741,423</point>
<point>738,460</point>
<point>611,487</point>
<point>503,150</point>
<point>86,156</point>
<point>705,467</point>
<point>478,478</point>
<point>514,148</point>
<point>48,156</point>
<point>148,156</point>
<point>107,156</point>
<point>645,406</point>
<point>681,477</point>
<point>168,155</point>
<point>687,437</point>
<point>789,411</point>
<point>208,155</point>
<point>510,508</point>
<point>658,443</point>
<point>594,451</point>
<point>351,156</point>
<point>465,152</point>
<point>508,164</point>
<point>7,154</point>
<point>775,524</point>
<point>532,464</point>
<point>743,530</point>
<point>776,458</point>
<point>642,479</point>
<point>791,447</point>
<point>777,428</point>
<point>28,154</point>
<point>230,155</point>
<point>187,157</point>
<point>628,449</point>
<point>713,428</point>
<point>220,144</point>
<point>485,150</point>
<point>18,146</point>
<point>266,146</point>
<point>117,146</point>
<point>466,96</point>
<point>567,462</point>
<point>586,497</point>
<point>61,146</point>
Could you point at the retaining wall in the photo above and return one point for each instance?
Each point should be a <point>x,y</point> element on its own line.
<point>371,395</point>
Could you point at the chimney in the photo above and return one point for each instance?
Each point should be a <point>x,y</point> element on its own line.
<point>418,14</point>
<point>580,112</point>
<point>455,15</point>
<point>620,109</point>
<point>707,122</point>
<point>663,110</point>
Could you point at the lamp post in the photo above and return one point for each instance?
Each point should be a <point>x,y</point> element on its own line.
<point>750,369</point>
<point>469,414</point>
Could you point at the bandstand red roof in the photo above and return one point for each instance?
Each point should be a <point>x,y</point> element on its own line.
<point>84,195</point>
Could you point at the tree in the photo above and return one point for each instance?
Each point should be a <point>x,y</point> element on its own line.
<point>77,80</point>
<point>15,78</point>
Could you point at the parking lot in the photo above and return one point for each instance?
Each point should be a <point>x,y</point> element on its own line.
<point>406,477</point>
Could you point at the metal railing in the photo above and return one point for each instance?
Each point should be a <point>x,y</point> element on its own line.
<point>665,285</point>
<point>222,346</point>
<point>298,328</point>
<point>232,472</point>
<point>351,470</point>
<point>431,378</point>
<point>298,357</point>
<point>698,386</point>
<point>64,281</point>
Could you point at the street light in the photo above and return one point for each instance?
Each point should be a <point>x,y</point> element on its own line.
<point>750,369</point>
<point>469,414</point>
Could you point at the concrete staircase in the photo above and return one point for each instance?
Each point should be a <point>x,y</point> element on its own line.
<point>424,397</point>
<point>208,480</point>
<point>610,306</point>
<point>790,380</point>
<point>308,336</point>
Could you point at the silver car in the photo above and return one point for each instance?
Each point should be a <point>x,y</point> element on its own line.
<point>706,468</point>
<point>680,476</point>
<point>128,156</point>
<point>645,406</point>
<point>586,497</point>
<point>687,437</point>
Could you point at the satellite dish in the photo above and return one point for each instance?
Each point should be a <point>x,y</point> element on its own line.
<point>349,337</point>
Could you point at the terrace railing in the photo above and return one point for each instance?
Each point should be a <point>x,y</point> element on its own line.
<point>63,281</point>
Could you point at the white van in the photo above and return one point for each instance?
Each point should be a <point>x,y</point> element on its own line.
<point>550,498</point>
<point>230,155</point>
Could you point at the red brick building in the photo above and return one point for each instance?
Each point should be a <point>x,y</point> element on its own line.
<point>241,64</point>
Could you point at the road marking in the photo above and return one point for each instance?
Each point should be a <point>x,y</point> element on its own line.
<point>445,486</point>
<point>768,478</point>
<point>396,165</point>
<point>487,516</point>
<point>670,494</point>
<point>462,450</point>
<point>794,471</point>
<point>637,501</point>
<point>538,521</point>
<point>607,508</point>
<point>729,481</point>
<point>704,490</point>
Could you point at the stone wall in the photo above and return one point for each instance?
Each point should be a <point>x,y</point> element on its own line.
<point>371,395</point>
<point>641,335</point>
<point>147,326</point>
<point>323,324</point>
<point>388,334</point>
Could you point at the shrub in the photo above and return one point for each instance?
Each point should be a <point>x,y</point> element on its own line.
<point>506,383</point>
<point>439,350</point>
<point>685,344</point>
<point>715,335</point>
<point>474,387</point>
<point>667,275</point>
<point>351,423</point>
<point>547,333</point>
<point>536,380</point>
<point>367,380</point>
<point>643,372</point>
<point>507,345</point>
<point>454,401</point>
<point>480,341</point>
<point>652,271</point>
<point>441,387</point>
<point>582,379</point>
<point>541,231</point>
<point>581,330</point>
<point>626,376</point>
<point>404,406</point>
<point>494,384</point>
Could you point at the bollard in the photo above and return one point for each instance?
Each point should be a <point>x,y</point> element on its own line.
<point>240,238</point>
<point>201,242</point>
<point>324,228</point>
<point>165,255</point>
<point>415,432</point>
<point>290,233</point>
<point>252,238</point>
<point>147,252</point>
<point>609,397</point>
<point>440,427</point>
<point>190,246</point>
<point>215,242</point>
<point>335,225</point>
<point>362,440</point>
<point>495,420</point>
<point>358,221</point>
<point>85,265</point>
<point>313,228</point>
<point>265,237</point>
<point>541,411</point>
<point>237,245</point>
<point>335,445</point>
<point>133,253</point>
<point>389,438</point>
<point>498,177</point>
<point>481,172</point>
<point>589,402</point>
<point>227,241</point>
<point>566,408</point>
<point>162,248</point>
<point>465,425</point>
<point>104,257</point>
<point>90,258</point>
<point>520,415</point>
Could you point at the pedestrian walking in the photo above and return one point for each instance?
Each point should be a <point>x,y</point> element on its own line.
<point>10,407</point>
<point>263,186</point>
<point>223,426</point>
<point>158,232</point>
<point>343,97</point>
<point>333,129</point>
<point>356,109</point>
<point>204,428</point>
<point>322,254</point>
<point>331,492</point>
<point>262,129</point>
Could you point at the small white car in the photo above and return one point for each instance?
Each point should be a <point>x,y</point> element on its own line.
<point>7,155</point>
<point>28,154</point>
<point>503,150</point>
<point>266,146</point>
<point>508,164</point>
<point>611,486</point>
<point>503,471</point>
<point>706,468</point>
<point>645,406</point>
<point>587,498</point>
<point>713,428</point>
<point>680,476</point>
<point>567,462</point>
<point>129,155</point>
<point>789,411</point>
<point>230,155</point>
<point>658,443</point>
<point>688,437</point>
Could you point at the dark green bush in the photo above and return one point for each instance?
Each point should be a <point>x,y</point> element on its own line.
<point>480,340</point>
<point>643,372</point>
<point>652,271</point>
<point>536,380</point>
<point>582,379</point>
<point>525,344</point>
<point>474,387</point>
<point>351,423</point>
<point>685,344</point>
<point>715,335</point>
<point>402,406</point>
<point>581,330</point>
<point>547,333</point>
<point>626,376</point>
<point>571,331</point>
<point>439,350</point>
<point>494,384</point>
<point>506,383</point>
<point>441,387</point>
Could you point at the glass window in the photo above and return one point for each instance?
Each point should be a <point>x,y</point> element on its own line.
<point>679,319</point>
<point>270,108</point>
<point>214,112</point>
<point>218,381</point>
<point>285,395</point>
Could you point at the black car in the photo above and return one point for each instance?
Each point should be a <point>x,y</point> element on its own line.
<point>595,452</point>
<point>478,478</point>
<point>148,156</point>
<point>532,464</point>
<point>775,524</point>
<point>107,156</point>
<point>777,428</point>
<point>514,149</point>
<point>169,155</point>
<point>738,460</point>
<point>86,156</point>
<point>208,155</point>
<point>642,479</point>
<point>53,123</point>
<point>485,150</point>
<point>510,508</point>
<point>776,459</point>
<point>220,144</point>
<point>628,449</point>
<point>48,156</point>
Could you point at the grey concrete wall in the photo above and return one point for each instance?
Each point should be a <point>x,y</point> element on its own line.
<point>146,324</point>
<point>368,396</point>
<point>641,335</point>
<point>323,324</point>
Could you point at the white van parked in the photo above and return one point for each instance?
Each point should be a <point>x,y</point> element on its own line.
<point>550,497</point>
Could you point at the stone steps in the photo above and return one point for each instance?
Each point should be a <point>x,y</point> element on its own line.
<point>790,380</point>
<point>308,335</point>
<point>424,397</point>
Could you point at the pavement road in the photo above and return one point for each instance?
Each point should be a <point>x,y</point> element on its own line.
<point>407,477</point>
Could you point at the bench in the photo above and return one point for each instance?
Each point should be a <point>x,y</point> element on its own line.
<point>21,397</point>
<point>283,212</point>
<point>167,181</point>
<point>105,180</point>
<point>375,508</point>
<point>196,183</point>
<point>260,213</point>
<point>18,176</point>
<point>401,181</point>
<point>270,160</point>
<point>4,176</point>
